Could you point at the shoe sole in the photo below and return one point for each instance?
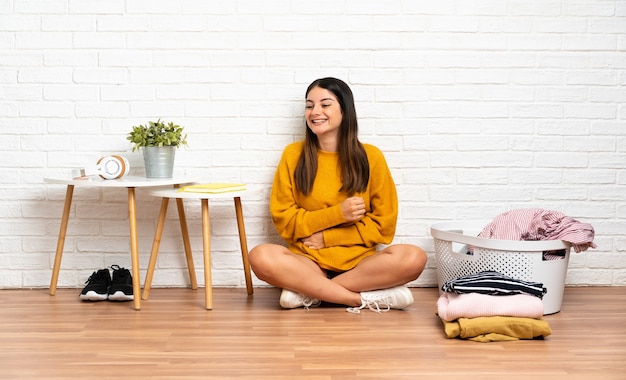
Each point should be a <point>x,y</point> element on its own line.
<point>93,296</point>
<point>120,296</point>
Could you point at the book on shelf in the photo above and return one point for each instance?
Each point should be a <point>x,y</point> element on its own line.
<point>214,188</point>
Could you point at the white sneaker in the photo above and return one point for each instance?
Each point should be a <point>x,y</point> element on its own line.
<point>383,300</point>
<point>292,300</point>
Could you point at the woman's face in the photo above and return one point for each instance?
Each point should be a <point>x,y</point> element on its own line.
<point>323,112</point>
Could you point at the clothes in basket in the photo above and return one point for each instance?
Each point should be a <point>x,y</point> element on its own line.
<point>540,224</point>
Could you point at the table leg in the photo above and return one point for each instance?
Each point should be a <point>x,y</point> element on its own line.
<point>61,241</point>
<point>185,232</point>
<point>134,247</point>
<point>244,245</point>
<point>156,243</point>
<point>206,248</point>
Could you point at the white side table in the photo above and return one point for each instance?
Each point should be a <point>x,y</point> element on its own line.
<point>204,198</point>
<point>129,182</point>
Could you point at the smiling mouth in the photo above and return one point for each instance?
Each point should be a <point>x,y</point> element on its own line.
<point>318,121</point>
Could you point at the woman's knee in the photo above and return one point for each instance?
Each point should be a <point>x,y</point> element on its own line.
<point>420,259</point>
<point>259,256</point>
<point>412,260</point>
<point>265,259</point>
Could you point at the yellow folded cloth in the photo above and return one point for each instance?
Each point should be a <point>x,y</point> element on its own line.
<point>497,328</point>
<point>213,188</point>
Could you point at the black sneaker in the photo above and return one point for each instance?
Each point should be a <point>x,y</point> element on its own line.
<point>97,288</point>
<point>121,288</point>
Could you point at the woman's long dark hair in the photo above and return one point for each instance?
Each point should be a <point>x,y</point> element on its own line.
<point>355,171</point>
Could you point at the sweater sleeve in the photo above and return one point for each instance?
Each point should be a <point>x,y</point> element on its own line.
<point>293,222</point>
<point>378,226</point>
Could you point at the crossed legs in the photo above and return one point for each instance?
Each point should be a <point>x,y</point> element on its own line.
<point>395,265</point>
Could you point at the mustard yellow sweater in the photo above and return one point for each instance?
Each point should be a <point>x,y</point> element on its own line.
<point>297,216</point>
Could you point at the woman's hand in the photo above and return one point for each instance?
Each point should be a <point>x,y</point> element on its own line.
<point>315,241</point>
<point>353,208</point>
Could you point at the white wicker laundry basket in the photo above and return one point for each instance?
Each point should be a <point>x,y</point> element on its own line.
<point>542,261</point>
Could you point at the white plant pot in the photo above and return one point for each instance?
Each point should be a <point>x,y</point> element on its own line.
<point>159,161</point>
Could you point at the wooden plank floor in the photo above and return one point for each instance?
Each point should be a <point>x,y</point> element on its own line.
<point>173,337</point>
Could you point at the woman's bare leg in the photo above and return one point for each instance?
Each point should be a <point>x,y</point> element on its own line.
<point>395,265</point>
<point>280,267</point>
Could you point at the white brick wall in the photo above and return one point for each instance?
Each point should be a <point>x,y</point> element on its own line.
<point>480,106</point>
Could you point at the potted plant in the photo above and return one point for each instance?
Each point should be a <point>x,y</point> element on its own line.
<point>158,142</point>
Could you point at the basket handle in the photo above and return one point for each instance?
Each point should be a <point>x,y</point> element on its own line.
<point>453,231</point>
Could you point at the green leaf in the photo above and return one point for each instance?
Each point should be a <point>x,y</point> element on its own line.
<point>157,133</point>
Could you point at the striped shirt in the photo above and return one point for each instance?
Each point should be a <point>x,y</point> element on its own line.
<point>493,283</point>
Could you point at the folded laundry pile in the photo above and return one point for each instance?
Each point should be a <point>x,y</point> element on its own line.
<point>489,306</point>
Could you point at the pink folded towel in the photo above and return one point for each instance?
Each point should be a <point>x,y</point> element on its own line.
<point>451,306</point>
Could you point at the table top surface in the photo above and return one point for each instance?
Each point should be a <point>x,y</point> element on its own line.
<point>126,181</point>
<point>175,193</point>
